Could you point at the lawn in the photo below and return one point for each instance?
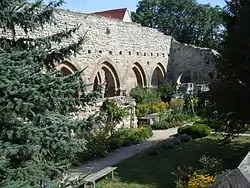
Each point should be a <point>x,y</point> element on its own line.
<point>248,131</point>
<point>155,171</point>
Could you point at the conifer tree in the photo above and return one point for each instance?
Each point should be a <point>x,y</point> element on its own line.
<point>37,103</point>
<point>231,91</point>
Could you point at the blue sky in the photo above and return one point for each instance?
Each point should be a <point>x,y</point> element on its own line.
<point>99,5</point>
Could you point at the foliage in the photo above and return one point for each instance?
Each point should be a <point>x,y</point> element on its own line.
<point>169,119</point>
<point>38,103</point>
<point>106,139</point>
<point>185,138</point>
<point>200,177</point>
<point>195,131</point>
<point>150,108</point>
<point>230,91</point>
<point>185,20</point>
<point>149,131</point>
<point>167,90</point>
<point>160,125</point>
<point>159,168</point>
<point>200,181</point>
<point>210,165</point>
<point>191,103</point>
<point>142,95</point>
<point>177,105</point>
<point>113,112</point>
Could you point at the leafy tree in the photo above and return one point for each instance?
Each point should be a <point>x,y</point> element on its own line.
<point>37,103</point>
<point>167,90</point>
<point>230,93</point>
<point>185,20</point>
<point>113,111</point>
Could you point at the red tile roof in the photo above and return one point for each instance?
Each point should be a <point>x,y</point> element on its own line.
<point>114,14</point>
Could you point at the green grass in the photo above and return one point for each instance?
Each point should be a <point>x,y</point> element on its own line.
<point>248,131</point>
<point>155,171</point>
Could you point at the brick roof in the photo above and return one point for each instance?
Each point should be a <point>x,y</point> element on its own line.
<point>114,14</point>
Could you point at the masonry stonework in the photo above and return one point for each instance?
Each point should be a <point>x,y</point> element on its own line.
<point>122,55</point>
<point>191,64</point>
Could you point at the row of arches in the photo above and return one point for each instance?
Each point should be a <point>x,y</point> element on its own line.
<point>107,75</point>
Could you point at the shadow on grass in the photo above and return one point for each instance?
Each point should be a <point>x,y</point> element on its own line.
<point>156,170</point>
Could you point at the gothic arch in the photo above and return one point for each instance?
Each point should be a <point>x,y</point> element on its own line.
<point>106,74</point>
<point>67,68</point>
<point>139,74</point>
<point>158,75</point>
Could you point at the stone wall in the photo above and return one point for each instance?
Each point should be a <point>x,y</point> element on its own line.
<point>122,55</point>
<point>191,64</point>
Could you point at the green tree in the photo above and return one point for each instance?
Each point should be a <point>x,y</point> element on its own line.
<point>230,93</point>
<point>185,20</point>
<point>37,103</point>
<point>167,90</point>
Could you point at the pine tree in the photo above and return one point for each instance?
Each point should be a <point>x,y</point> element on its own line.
<point>232,88</point>
<point>37,103</point>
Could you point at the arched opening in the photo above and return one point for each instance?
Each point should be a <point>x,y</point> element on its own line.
<point>66,71</point>
<point>158,76</point>
<point>108,77</point>
<point>97,81</point>
<point>68,68</point>
<point>140,75</point>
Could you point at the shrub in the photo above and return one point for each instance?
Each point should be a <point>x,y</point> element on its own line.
<point>174,116</point>
<point>168,144</point>
<point>162,125</point>
<point>149,131</point>
<point>191,103</point>
<point>195,131</point>
<point>177,105</point>
<point>167,90</point>
<point>114,113</point>
<point>185,138</point>
<point>211,165</point>
<point>176,141</point>
<point>97,146</point>
<point>149,108</point>
<point>142,95</point>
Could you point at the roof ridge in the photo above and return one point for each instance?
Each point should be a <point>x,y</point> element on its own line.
<point>110,10</point>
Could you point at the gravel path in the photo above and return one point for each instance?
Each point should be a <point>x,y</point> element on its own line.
<point>122,153</point>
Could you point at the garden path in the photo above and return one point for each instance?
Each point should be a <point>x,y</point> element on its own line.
<point>121,154</point>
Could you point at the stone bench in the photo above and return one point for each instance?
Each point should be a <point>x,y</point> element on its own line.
<point>149,119</point>
<point>91,178</point>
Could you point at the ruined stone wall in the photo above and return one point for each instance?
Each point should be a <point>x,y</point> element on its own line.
<point>191,64</point>
<point>123,55</point>
<point>127,52</point>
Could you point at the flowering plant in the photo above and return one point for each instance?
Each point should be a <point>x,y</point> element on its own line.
<point>200,181</point>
